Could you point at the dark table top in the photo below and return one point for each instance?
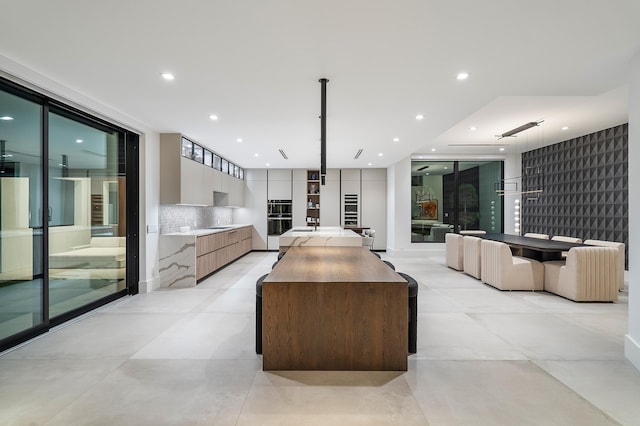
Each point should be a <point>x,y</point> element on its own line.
<point>530,243</point>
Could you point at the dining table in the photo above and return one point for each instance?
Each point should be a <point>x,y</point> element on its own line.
<point>532,248</point>
<point>334,308</point>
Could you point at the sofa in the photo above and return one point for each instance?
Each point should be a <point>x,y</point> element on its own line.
<point>102,258</point>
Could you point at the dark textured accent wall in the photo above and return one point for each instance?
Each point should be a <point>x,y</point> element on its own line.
<point>585,183</point>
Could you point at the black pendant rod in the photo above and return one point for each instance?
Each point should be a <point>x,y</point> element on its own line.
<point>323,129</point>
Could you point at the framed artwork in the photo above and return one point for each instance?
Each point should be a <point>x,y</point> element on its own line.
<point>429,209</point>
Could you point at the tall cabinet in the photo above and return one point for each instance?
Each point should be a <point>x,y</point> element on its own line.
<point>374,204</point>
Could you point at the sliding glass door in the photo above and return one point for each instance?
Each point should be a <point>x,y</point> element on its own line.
<point>21,278</point>
<point>86,213</point>
<point>453,196</point>
<point>68,225</point>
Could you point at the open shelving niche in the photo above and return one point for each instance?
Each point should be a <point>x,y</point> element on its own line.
<point>313,197</point>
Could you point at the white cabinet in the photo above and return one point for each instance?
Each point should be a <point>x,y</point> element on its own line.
<point>279,184</point>
<point>256,200</point>
<point>330,199</point>
<point>236,192</point>
<point>299,197</point>
<point>181,179</point>
<point>374,204</point>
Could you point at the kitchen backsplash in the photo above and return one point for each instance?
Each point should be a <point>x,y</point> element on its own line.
<point>172,217</point>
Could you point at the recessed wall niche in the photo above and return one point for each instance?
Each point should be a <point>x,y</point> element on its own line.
<point>585,188</point>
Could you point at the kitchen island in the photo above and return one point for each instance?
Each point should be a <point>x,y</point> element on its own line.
<point>186,257</point>
<point>334,308</point>
<point>322,236</point>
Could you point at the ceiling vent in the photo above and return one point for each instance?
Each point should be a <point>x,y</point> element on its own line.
<point>283,154</point>
<point>358,154</point>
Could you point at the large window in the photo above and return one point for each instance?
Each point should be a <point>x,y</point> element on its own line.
<point>68,225</point>
<point>451,196</point>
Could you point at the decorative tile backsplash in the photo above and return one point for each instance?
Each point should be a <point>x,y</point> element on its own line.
<point>172,217</point>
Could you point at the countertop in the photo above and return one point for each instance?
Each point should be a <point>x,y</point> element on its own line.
<point>205,231</point>
<point>321,231</point>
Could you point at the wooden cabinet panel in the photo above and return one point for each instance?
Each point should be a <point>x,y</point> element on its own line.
<point>216,250</point>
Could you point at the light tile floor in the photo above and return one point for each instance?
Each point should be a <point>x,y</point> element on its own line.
<point>187,357</point>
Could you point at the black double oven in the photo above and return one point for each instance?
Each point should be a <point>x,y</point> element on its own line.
<point>279,217</point>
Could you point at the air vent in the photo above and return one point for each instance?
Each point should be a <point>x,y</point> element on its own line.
<point>283,154</point>
<point>358,154</point>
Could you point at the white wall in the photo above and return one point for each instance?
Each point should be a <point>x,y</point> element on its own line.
<point>632,339</point>
<point>149,199</point>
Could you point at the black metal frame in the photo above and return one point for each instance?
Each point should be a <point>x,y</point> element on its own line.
<point>129,168</point>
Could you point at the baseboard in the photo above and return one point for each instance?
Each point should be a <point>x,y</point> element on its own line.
<point>632,350</point>
<point>149,286</point>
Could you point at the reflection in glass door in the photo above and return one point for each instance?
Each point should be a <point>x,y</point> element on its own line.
<point>87,205</point>
<point>21,277</point>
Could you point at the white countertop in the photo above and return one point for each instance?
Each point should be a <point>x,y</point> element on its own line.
<point>206,231</point>
<point>325,236</point>
<point>321,231</point>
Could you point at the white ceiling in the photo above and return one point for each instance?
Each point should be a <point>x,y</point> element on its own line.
<point>256,65</point>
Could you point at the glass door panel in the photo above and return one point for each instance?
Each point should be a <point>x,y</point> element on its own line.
<point>21,278</point>
<point>86,213</point>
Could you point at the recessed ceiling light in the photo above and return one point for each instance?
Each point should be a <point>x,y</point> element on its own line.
<point>396,139</point>
<point>239,140</point>
<point>565,128</point>
<point>6,118</point>
<point>379,154</point>
<point>256,154</point>
<point>419,117</point>
<point>268,164</point>
<point>427,173</point>
<point>501,149</point>
<point>79,141</point>
<point>213,117</point>
<point>463,75</point>
<point>369,164</point>
<point>472,128</point>
<point>167,76</point>
<point>446,168</point>
<point>433,150</point>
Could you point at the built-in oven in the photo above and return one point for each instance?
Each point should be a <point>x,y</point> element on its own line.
<point>350,209</point>
<point>279,217</point>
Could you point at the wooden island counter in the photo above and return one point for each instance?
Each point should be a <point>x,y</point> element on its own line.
<point>334,308</point>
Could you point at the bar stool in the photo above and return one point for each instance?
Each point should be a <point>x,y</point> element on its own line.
<point>413,312</point>
<point>259,313</point>
<point>389,264</point>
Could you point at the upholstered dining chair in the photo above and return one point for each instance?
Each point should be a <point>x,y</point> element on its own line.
<point>500,269</point>
<point>368,238</point>
<point>566,240</point>
<point>472,257</point>
<point>590,274</point>
<point>454,250</point>
<point>534,235</point>
<point>621,251</point>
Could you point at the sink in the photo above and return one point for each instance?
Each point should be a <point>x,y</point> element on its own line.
<point>302,230</point>
<point>219,227</point>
